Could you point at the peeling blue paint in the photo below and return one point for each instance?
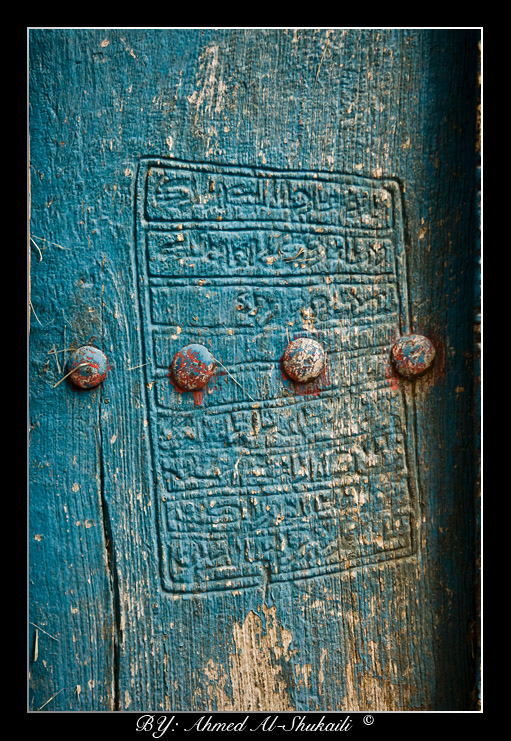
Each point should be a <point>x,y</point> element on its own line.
<point>257,540</point>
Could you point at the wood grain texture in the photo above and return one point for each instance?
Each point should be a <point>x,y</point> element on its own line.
<point>394,105</point>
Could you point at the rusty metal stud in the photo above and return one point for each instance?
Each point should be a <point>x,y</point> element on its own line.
<point>303,359</point>
<point>192,367</point>
<point>87,367</point>
<point>412,355</point>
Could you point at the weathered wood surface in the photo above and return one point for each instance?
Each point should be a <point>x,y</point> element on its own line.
<point>134,608</point>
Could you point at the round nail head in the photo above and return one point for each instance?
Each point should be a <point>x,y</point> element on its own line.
<point>87,367</point>
<point>303,359</point>
<point>412,355</point>
<point>192,367</point>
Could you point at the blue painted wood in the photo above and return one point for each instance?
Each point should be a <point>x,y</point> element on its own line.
<point>256,543</point>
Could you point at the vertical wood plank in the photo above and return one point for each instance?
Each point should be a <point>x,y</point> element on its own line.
<point>70,576</point>
<point>396,104</point>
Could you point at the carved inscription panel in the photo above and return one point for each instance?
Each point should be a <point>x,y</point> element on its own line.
<point>260,479</point>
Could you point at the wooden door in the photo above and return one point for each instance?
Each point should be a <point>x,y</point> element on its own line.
<point>262,542</point>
